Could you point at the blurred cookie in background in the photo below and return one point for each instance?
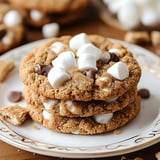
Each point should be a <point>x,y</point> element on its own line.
<point>37,18</point>
<point>52,6</point>
<point>11,26</point>
<point>47,11</point>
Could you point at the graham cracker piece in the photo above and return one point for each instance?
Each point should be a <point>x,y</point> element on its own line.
<point>6,67</point>
<point>15,115</point>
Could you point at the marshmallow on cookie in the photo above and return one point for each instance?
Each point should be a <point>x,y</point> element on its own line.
<point>84,56</point>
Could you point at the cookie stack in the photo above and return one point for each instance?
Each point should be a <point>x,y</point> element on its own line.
<point>46,11</point>
<point>83,84</point>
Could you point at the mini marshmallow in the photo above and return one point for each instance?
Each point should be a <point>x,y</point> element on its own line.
<point>128,16</point>
<point>149,17</point>
<point>36,15</point>
<point>87,61</point>
<point>115,50</point>
<point>78,40</point>
<point>6,40</point>
<point>65,60</point>
<point>89,49</point>
<point>103,118</point>
<point>68,103</point>
<point>48,105</point>
<point>116,5</point>
<point>76,132</point>
<point>46,115</point>
<point>50,30</point>
<point>119,71</point>
<point>111,100</point>
<point>57,47</point>
<point>72,109</point>
<point>12,18</point>
<point>70,106</point>
<point>57,77</point>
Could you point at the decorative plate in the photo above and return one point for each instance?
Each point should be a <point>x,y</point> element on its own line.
<point>142,132</point>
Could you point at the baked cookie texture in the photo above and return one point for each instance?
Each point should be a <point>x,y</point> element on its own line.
<point>80,108</point>
<point>80,87</point>
<point>82,84</point>
<point>12,30</point>
<point>85,125</point>
<point>52,6</point>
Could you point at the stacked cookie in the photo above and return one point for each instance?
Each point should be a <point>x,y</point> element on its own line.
<point>46,11</point>
<point>83,84</point>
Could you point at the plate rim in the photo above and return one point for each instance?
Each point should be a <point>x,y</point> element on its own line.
<point>69,154</point>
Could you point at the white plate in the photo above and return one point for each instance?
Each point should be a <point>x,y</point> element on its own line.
<point>142,132</point>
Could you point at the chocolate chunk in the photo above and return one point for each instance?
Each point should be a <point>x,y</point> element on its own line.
<point>90,73</point>
<point>114,57</point>
<point>105,57</point>
<point>15,96</point>
<point>3,32</point>
<point>144,93</point>
<point>42,69</point>
<point>37,68</point>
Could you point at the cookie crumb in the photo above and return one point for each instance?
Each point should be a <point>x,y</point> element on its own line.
<point>117,131</point>
<point>5,69</point>
<point>137,37</point>
<point>35,127</point>
<point>157,155</point>
<point>15,115</point>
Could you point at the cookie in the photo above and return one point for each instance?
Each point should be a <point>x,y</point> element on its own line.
<point>10,37</point>
<point>51,6</point>
<point>38,19</point>
<point>11,27</point>
<point>80,108</point>
<point>5,69</point>
<point>13,114</point>
<point>89,125</point>
<point>86,67</point>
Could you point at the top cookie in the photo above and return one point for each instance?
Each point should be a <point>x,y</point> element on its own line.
<point>86,67</point>
<point>52,6</point>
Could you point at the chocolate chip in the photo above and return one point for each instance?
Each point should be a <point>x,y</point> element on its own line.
<point>3,32</point>
<point>15,96</point>
<point>105,57</point>
<point>90,73</point>
<point>114,57</point>
<point>42,69</point>
<point>144,93</point>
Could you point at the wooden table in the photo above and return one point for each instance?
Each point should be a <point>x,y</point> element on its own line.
<point>91,25</point>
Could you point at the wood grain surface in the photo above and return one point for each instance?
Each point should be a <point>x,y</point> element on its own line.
<point>91,24</point>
